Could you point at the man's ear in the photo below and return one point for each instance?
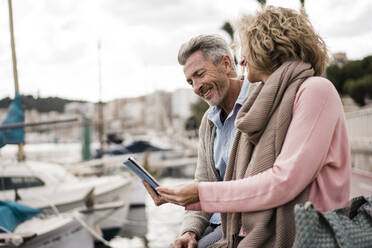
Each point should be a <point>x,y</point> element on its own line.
<point>226,64</point>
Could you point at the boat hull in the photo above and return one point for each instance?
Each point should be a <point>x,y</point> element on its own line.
<point>56,232</point>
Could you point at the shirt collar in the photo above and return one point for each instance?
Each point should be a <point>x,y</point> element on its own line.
<point>215,111</point>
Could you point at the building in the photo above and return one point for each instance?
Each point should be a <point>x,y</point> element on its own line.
<point>339,59</point>
<point>124,113</point>
<point>158,111</point>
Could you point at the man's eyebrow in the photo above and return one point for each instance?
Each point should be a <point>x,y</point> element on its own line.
<point>194,74</point>
<point>197,72</point>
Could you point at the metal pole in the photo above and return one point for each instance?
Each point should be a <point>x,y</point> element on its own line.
<point>31,124</point>
<point>85,139</point>
<point>21,154</point>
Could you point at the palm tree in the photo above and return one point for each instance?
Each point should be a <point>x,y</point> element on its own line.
<point>302,10</point>
<point>262,3</point>
<point>228,28</point>
<point>302,3</point>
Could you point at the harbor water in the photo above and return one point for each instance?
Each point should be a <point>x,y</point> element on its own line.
<point>163,223</point>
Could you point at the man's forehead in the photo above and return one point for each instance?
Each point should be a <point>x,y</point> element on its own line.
<point>194,62</point>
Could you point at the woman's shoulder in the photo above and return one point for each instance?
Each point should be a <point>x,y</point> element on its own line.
<point>318,87</point>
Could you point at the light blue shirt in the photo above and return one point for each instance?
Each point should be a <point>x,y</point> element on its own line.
<point>225,134</point>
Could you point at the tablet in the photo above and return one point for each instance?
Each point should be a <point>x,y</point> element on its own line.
<point>134,166</point>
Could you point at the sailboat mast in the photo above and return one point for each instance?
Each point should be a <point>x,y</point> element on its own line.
<point>100,103</point>
<point>12,43</point>
<point>21,155</point>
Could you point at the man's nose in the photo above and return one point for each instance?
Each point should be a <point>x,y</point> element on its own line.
<point>196,87</point>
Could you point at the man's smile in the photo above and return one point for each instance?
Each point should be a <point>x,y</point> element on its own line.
<point>206,91</point>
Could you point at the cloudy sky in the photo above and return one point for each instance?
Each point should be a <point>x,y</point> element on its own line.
<point>56,41</point>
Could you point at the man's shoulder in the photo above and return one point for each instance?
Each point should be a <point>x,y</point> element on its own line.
<point>205,122</point>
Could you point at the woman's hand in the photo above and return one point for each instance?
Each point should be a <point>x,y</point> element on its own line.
<point>158,200</point>
<point>183,195</point>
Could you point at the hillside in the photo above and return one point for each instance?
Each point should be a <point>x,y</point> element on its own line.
<point>40,104</point>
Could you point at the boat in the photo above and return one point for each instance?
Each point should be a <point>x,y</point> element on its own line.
<point>25,227</point>
<point>52,188</point>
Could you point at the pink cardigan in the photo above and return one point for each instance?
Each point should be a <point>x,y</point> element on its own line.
<point>315,152</point>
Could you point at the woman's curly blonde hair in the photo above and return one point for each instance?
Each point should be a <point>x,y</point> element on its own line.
<point>276,35</point>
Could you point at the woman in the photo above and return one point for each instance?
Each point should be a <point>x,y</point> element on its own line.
<point>292,144</point>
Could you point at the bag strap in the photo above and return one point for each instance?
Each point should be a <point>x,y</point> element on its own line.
<point>355,204</point>
<point>368,207</point>
<point>338,218</point>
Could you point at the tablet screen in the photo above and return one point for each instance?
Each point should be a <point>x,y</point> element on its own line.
<point>133,165</point>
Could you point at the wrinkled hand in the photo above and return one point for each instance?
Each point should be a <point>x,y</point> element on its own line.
<point>182,195</point>
<point>158,200</point>
<point>187,240</point>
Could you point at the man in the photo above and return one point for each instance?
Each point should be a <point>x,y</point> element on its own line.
<point>209,69</point>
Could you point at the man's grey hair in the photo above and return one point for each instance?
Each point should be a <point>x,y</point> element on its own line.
<point>213,48</point>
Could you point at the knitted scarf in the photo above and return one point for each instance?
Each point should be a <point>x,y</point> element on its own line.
<point>262,124</point>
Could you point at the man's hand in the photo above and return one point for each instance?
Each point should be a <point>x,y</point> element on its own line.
<point>187,240</point>
<point>183,194</point>
<point>158,200</point>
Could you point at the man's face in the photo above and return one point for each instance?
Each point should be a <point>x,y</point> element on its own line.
<point>209,81</point>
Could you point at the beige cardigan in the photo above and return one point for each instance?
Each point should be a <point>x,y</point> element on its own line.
<point>197,221</point>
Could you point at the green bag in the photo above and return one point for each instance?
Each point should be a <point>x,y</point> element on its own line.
<point>345,227</point>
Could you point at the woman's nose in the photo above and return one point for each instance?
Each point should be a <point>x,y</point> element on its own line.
<point>243,62</point>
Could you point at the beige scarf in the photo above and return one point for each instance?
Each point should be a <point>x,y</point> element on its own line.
<point>262,125</point>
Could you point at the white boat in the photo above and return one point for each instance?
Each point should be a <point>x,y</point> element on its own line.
<point>47,186</point>
<point>172,161</point>
<point>25,227</point>
<point>58,231</point>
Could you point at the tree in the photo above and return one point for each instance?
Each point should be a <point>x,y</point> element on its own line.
<point>359,89</point>
<point>336,75</point>
<point>197,111</point>
<point>353,70</point>
<point>354,78</point>
<point>366,64</point>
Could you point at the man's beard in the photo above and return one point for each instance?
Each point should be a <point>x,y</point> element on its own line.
<point>220,90</point>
